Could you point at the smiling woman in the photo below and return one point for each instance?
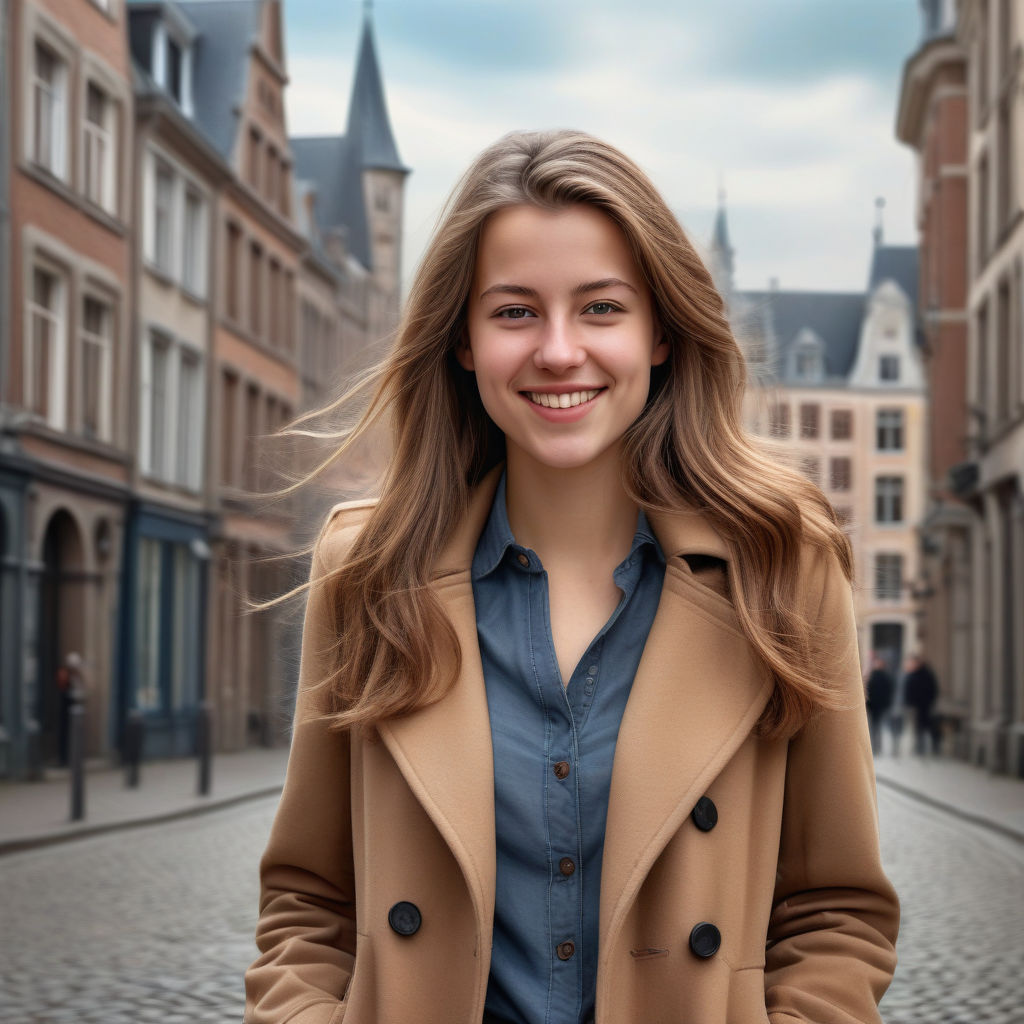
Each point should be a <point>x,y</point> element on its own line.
<point>580,733</point>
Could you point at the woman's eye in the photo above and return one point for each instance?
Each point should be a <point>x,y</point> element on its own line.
<point>514,312</point>
<point>602,308</point>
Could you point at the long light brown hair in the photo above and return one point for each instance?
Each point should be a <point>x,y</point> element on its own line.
<point>687,447</point>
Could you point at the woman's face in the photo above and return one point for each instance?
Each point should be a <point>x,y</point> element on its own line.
<point>561,333</point>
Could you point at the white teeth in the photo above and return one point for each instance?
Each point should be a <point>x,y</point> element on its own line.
<point>564,401</point>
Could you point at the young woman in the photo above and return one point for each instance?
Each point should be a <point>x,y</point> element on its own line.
<point>580,733</point>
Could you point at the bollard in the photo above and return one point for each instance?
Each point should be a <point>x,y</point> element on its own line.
<point>133,733</point>
<point>76,756</point>
<point>204,746</point>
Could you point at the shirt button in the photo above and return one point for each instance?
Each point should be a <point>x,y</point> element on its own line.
<point>561,769</point>
<point>565,950</point>
<point>567,866</point>
<point>523,559</point>
<point>592,670</point>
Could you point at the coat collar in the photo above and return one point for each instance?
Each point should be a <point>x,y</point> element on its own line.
<point>697,694</point>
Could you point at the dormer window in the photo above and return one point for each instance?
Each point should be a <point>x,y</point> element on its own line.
<point>808,358</point>
<point>889,369</point>
<point>172,60</point>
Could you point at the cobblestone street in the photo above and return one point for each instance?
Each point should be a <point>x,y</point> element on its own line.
<point>156,924</point>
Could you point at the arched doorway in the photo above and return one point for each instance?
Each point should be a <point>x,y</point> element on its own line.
<point>62,624</point>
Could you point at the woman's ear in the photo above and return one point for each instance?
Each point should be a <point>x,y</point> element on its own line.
<point>464,354</point>
<point>661,347</point>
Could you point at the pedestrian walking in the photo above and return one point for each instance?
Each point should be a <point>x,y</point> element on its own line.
<point>879,692</point>
<point>920,691</point>
<point>71,692</point>
<point>579,733</point>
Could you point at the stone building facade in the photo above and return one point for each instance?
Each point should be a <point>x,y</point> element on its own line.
<point>974,102</point>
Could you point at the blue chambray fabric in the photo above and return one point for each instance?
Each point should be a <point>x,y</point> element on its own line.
<point>535,723</point>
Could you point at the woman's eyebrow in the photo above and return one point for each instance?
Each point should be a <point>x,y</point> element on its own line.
<point>605,282</point>
<point>580,289</point>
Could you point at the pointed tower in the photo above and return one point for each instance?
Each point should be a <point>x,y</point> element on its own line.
<point>720,257</point>
<point>379,169</point>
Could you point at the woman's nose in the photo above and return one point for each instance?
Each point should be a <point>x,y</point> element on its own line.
<point>558,348</point>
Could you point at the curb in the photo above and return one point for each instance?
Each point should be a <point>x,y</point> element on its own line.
<point>1008,831</point>
<point>88,831</point>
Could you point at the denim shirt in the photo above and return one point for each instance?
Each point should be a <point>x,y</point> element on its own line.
<point>553,752</point>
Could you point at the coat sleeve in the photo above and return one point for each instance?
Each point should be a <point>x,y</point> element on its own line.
<point>832,932</point>
<point>306,932</point>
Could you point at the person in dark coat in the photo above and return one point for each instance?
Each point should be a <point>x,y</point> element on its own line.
<point>920,691</point>
<point>879,692</point>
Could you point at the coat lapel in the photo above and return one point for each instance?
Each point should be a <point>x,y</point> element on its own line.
<point>697,694</point>
<point>444,750</point>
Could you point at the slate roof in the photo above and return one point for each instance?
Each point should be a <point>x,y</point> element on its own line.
<point>220,56</point>
<point>834,316</point>
<point>897,263</point>
<point>224,31</point>
<point>368,125</point>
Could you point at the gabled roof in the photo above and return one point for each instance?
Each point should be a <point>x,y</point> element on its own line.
<point>834,316</point>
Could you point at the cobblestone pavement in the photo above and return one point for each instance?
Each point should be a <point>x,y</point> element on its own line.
<point>156,924</point>
<point>962,895</point>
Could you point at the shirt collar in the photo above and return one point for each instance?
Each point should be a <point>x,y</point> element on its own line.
<point>497,538</point>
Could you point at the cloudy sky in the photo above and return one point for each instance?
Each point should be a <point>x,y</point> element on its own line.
<point>790,103</point>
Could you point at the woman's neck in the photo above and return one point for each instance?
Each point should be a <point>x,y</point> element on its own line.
<point>570,516</point>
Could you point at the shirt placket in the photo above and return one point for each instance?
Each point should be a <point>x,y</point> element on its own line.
<point>562,819</point>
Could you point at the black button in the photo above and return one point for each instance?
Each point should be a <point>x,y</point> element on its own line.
<point>561,769</point>
<point>705,814</point>
<point>565,950</point>
<point>405,918</point>
<point>705,940</point>
<point>566,866</point>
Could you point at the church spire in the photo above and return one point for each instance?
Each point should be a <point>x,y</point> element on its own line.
<point>721,254</point>
<point>369,127</point>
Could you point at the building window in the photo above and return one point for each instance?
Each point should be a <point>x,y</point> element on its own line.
<point>889,369</point>
<point>172,412</point>
<point>888,577</point>
<point>193,268</point>
<point>811,468</point>
<point>840,474</point>
<point>163,217</point>
<point>889,430</point>
<point>233,272</point>
<point>809,416</point>
<point>779,420</point>
<point>46,358</point>
<point>255,143</point>
<point>844,516</point>
<point>252,437</point>
<point>97,368</point>
<point>809,364</point>
<point>50,111</point>
<point>274,302</point>
<point>174,70</point>
<point>841,424</point>
<point>190,417</point>
<point>255,288</point>
<point>100,147</point>
<point>889,499</point>
<point>228,432</point>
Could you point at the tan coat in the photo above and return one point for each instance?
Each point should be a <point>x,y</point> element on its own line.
<point>790,875</point>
